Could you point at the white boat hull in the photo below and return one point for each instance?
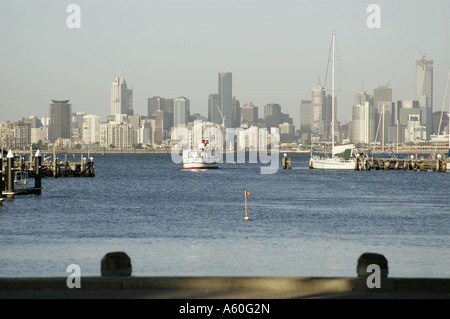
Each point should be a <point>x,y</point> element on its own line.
<point>200,158</point>
<point>200,165</point>
<point>448,167</point>
<point>332,164</point>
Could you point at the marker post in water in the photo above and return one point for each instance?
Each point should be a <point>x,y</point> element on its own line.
<point>246,195</point>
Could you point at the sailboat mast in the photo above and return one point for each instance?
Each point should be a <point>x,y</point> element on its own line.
<point>332,98</point>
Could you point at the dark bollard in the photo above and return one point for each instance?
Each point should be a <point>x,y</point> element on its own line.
<point>367,259</point>
<point>116,264</point>
<point>37,171</point>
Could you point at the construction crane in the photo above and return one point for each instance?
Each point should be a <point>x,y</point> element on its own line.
<point>223,117</point>
<point>421,53</point>
<point>389,82</point>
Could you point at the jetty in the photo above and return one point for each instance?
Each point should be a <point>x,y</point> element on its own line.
<point>16,172</point>
<point>396,163</point>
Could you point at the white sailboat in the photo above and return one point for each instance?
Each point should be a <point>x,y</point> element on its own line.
<point>347,162</point>
<point>448,158</point>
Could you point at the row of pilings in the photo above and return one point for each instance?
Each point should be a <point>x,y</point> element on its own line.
<point>412,164</point>
<point>17,174</point>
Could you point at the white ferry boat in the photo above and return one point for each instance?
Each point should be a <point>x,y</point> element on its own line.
<point>202,157</point>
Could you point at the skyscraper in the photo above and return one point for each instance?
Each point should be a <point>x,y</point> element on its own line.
<point>305,116</point>
<point>317,102</point>
<point>226,97</point>
<point>236,112</point>
<point>249,113</point>
<point>384,109</point>
<point>424,92</point>
<point>181,111</point>
<point>155,103</point>
<point>130,110</point>
<point>119,96</point>
<point>60,119</point>
<point>272,115</point>
<point>213,112</point>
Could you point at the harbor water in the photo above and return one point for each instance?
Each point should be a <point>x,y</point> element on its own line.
<point>175,222</point>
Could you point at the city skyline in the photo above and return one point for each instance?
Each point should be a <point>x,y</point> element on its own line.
<point>276,54</point>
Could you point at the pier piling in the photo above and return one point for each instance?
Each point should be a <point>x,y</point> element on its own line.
<point>10,175</point>
<point>37,171</point>
<point>286,162</point>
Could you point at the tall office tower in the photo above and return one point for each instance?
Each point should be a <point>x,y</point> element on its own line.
<point>130,110</point>
<point>272,115</point>
<point>119,96</point>
<point>154,104</point>
<point>157,103</point>
<point>213,111</point>
<point>384,109</point>
<point>317,102</point>
<point>181,111</point>
<point>77,125</point>
<point>360,124</point>
<point>168,110</point>
<point>360,99</point>
<point>327,117</point>
<point>158,134</point>
<point>236,112</point>
<point>305,116</point>
<point>406,108</point>
<point>60,120</point>
<point>91,129</point>
<point>249,113</point>
<point>424,92</point>
<point>226,97</point>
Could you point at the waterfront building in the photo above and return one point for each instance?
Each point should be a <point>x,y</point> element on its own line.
<point>91,129</point>
<point>117,135</point>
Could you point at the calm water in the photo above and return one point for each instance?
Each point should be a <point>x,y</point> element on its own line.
<point>173,222</point>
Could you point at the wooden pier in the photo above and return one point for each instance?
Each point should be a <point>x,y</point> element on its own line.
<point>412,164</point>
<point>16,173</point>
<point>55,167</point>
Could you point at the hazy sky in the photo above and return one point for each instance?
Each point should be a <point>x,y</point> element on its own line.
<point>276,51</point>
